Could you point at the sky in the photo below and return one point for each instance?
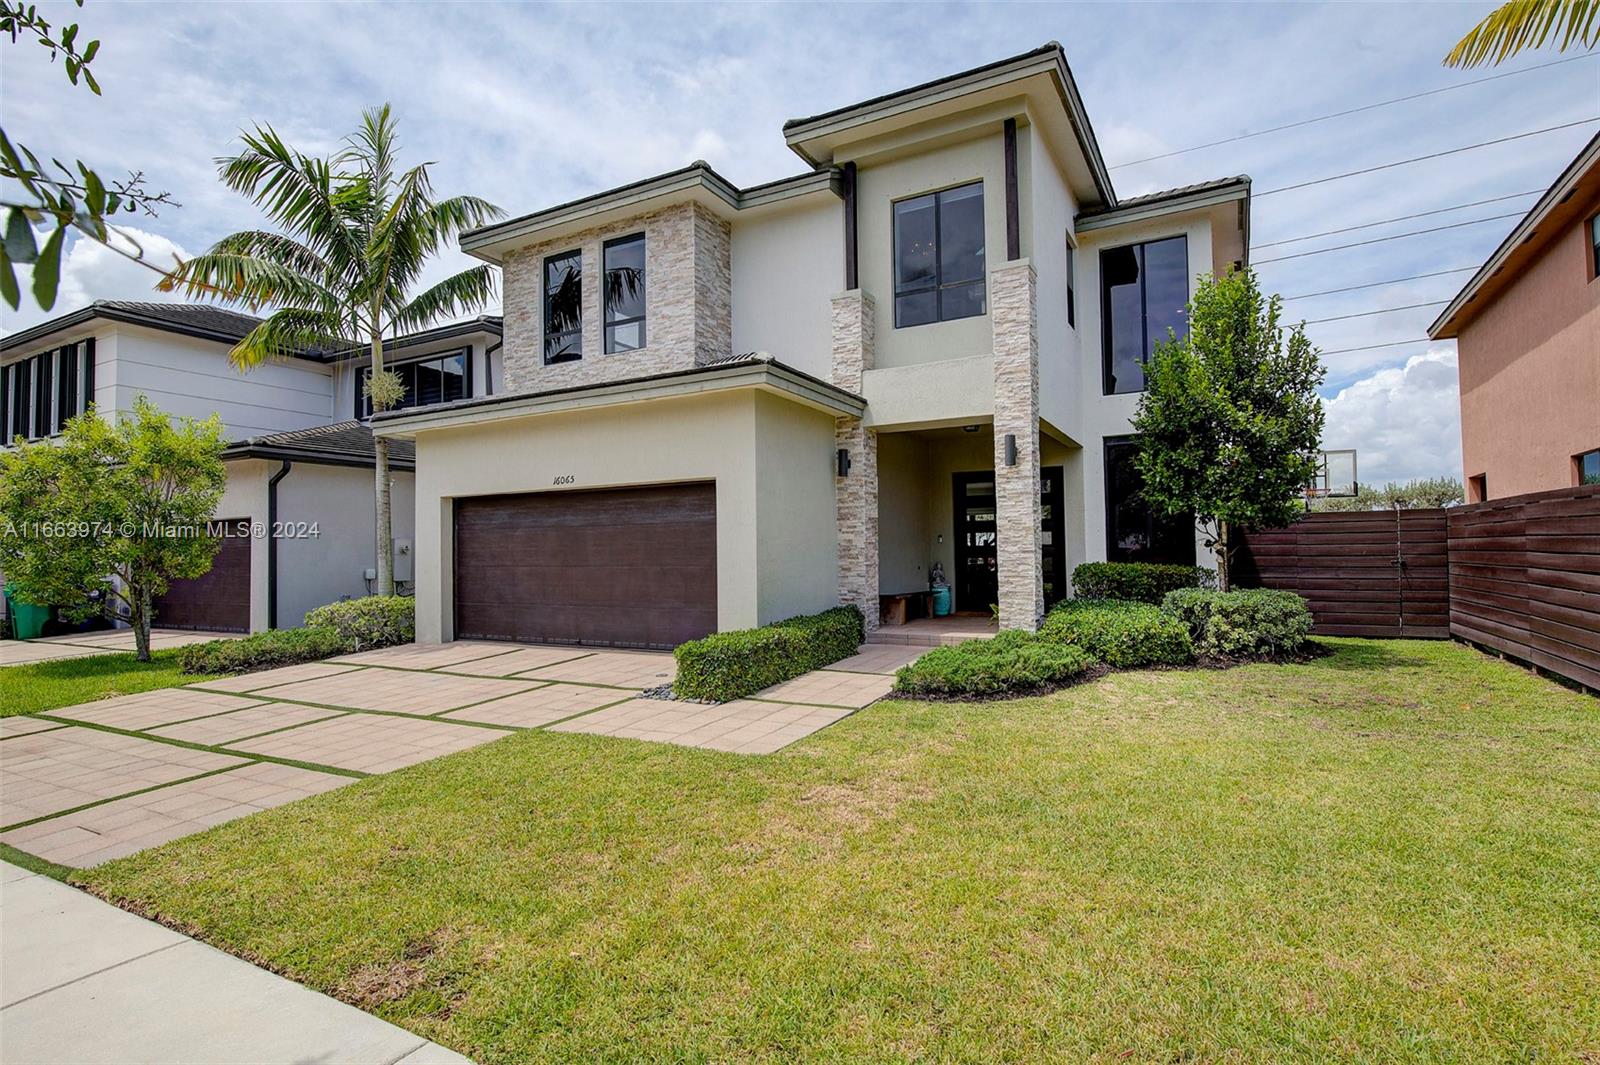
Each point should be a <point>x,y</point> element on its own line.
<point>532,105</point>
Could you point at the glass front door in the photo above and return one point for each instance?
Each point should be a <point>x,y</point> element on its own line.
<point>977,586</point>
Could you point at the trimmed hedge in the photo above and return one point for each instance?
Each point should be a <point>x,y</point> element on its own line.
<point>1011,663</point>
<point>1120,633</point>
<point>1139,582</point>
<point>371,621</point>
<point>1249,623</point>
<point>264,650</point>
<point>731,665</point>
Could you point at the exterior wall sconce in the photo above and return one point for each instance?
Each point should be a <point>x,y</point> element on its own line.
<point>1011,449</point>
<point>843,459</point>
<point>970,428</point>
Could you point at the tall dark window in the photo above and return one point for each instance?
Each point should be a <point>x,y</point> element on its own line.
<point>436,379</point>
<point>1135,531</point>
<point>1072,284</point>
<point>40,394</point>
<point>1594,241</point>
<point>938,257</point>
<point>624,293</point>
<point>1144,289</point>
<point>563,308</point>
<point>1588,465</point>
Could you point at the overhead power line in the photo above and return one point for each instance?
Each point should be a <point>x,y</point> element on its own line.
<point>1370,347</point>
<point>1379,284</point>
<point>1422,158</point>
<point>1369,314</point>
<point>1397,218</point>
<point>1350,111</point>
<point>1392,236</point>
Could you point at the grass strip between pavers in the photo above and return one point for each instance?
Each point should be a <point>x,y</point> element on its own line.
<point>117,798</point>
<point>34,864</point>
<point>231,752</point>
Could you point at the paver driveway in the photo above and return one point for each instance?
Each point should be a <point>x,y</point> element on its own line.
<point>104,642</point>
<point>88,783</point>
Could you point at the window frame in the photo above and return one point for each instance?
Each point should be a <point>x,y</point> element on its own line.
<point>607,326</point>
<point>1594,248</point>
<point>363,403</point>
<point>576,332</point>
<point>938,286</point>
<point>40,393</point>
<point>1106,388</point>
<point>1072,281</point>
<point>1189,557</point>
<point>1577,467</point>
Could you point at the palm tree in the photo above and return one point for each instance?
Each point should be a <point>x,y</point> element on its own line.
<point>1520,24</point>
<point>354,238</point>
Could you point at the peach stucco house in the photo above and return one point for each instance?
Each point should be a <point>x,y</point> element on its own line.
<point>1527,329</point>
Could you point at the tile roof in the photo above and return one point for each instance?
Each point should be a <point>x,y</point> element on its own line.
<point>343,443</point>
<point>1124,204</point>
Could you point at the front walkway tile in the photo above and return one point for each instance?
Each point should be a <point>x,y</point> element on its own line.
<point>27,652</point>
<point>518,661</point>
<point>266,678</point>
<point>879,658</point>
<point>427,656</point>
<point>370,743</point>
<point>395,690</point>
<point>223,729</point>
<point>123,639</point>
<point>615,669</point>
<point>744,726</point>
<point>540,706</point>
<point>22,726</point>
<point>119,828</point>
<point>826,687</point>
<point>164,706</point>
<point>48,772</point>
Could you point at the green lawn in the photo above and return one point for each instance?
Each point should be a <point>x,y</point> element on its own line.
<point>66,681</point>
<point>1390,853</point>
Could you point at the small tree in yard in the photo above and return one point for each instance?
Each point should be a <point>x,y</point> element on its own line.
<point>119,509</point>
<point>1230,421</point>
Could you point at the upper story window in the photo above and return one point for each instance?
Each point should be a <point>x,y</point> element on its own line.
<point>1144,289</point>
<point>1072,284</point>
<point>563,308</point>
<point>938,257</point>
<point>624,293</point>
<point>1594,250</point>
<point>1588,465</point>
<point>40,394</point>
<point>433,379</point>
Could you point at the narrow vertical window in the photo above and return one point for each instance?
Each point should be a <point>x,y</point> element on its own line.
<point>1144,292</point>
<point>624,294</point>
<point>1072,282</point>
<point>43,395</point>
<point>1594,249</point>
<point>939,257</point>
<point>563,308</point>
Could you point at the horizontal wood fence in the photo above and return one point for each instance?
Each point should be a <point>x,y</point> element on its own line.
<point>1518,575</point>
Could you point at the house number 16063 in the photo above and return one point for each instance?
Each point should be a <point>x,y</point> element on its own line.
<point>565,478</point>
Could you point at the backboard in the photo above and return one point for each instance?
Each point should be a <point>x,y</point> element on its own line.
<point>1336,474</point>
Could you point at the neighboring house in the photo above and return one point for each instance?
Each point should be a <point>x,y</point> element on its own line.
<point>301,457</point>
<point>726,406</point>
<point>1527,333</point>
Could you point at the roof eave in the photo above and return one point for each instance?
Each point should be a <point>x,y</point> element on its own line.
<point>1234,190</point>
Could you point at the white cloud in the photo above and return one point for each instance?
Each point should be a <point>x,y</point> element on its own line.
<point>1403,421</point>
<point>91,271</point>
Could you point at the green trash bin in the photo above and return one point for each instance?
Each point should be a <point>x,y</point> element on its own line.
<point>941,600</point>
<point>27,620</point>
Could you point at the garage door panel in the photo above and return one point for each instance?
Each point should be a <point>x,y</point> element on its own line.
<point>218,601</point>
<point>626,567</point>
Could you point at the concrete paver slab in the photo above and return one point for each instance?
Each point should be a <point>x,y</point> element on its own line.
<point>827,687</point>
<point>396,691</point>
<point>428,656</point>
<point>123,639</point>
<point>223,729</point>
<point>126,826</point>
<point>266,678</point>
<point>371,743</point>
<point>48,772</point>
<point>745,726</point>
<point>164,706</point>
<point>26,652</point>
<point>519,661</point>
<point>879,658</point>
<point>616,669</point>
<point>22,726</point>
<point>541,706</point>
<point>106,986</point>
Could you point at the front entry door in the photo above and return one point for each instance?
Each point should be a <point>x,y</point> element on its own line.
<point>977,585</point>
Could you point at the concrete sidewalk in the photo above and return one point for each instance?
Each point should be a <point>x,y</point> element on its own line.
<point>82,981</point>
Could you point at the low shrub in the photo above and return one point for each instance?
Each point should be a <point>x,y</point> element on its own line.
<point>1120,633</point>
<point>1139,582</point>
<point>731,665</point>
<point>1012,663</point>
<point>264,650</point>
<point>371,621</point>
<point>1247,623</point>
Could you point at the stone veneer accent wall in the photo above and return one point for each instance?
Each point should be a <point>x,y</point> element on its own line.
<point>856,494</point>
<point>1012,305</point>
<point>688,301</point>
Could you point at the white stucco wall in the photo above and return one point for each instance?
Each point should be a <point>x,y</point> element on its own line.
<point>323,569</point>
<point>1060,345</point>
<point>796,531</point>
<point>787,264</point>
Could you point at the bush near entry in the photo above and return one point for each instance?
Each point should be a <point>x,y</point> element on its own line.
<point>1140,582</point>
<point>731,665</point>
<point>1011,663</point>
<point>371,621</point>
<point>1250,623</point>
<point>1122,634</point>
<point>335,629</point>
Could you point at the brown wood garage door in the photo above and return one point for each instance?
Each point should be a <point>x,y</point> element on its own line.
<point>218,601</point>
<point>633,567</point>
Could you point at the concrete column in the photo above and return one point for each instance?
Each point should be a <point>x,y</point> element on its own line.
<point>1013,312</point>
<point>856,493</point>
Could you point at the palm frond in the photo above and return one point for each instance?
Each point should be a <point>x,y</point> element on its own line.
<point>456,295</point>
<point>287,333</point>
<point>276,248</point>
<point>294,190</point>
<point>1521,24</point>
<point>248,279</point>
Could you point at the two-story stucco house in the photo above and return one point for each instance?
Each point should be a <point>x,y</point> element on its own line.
<point>300,457</point>
<point>725,406</point>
